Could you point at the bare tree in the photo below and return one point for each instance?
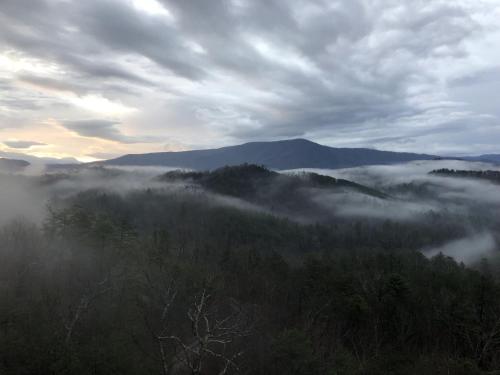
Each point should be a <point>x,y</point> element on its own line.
<point>83,306</point>
<point>168,297</point>
<point>211,338</point>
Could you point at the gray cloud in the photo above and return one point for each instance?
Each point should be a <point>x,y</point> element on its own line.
<point>352,73</point>
<point>103,129</point>
<point>22,144</point>
<point>52,84</point>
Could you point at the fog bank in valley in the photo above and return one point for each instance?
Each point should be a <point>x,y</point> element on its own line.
<point>415,195</point>
<point>467,250</point>
<point>20,200</point>
<point>408,194</point>
<point>413,191</point>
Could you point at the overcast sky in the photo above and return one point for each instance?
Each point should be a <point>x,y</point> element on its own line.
<point>96,78</point>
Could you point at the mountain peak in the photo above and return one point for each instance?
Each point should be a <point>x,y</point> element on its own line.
<point>293,141</point>
<point>286,154</point>
<point>299,141</point>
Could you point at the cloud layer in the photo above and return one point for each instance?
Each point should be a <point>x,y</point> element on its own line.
<point>414,76</point>
<point>23,144</point>
<point>103,129</point>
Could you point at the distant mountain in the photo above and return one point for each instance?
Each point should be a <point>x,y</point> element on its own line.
<point>281,155</point>
<point>12,165</point>
<point>36,160</point>
<point>491,158</point>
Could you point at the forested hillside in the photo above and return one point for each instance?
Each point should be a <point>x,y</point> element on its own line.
<point>492,176</point>
<point>167,279</point>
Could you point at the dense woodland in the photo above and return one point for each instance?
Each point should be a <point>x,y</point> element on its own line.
<point>489,175</point>
<point>156,281</point>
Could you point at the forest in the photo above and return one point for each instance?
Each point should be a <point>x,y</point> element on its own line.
<point>493,176</point>
<point>246,271</point>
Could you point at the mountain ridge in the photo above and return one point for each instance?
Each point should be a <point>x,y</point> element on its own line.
<point>487,158</point>
<point>34,160</point>
<point>281,155</point>
<point>12,165</point>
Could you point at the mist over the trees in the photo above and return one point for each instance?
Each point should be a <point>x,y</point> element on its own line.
<point>244,269</point>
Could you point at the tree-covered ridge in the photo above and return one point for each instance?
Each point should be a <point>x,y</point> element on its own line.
<point>168,279</point>
<point>290,193</point>
<point>489,175</point>
<point>247,179</point>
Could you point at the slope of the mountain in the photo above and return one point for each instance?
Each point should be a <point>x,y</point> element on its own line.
<point>13,165</point>
<point>289,154</point>
<point>488,158</point>
<point>300,194</point>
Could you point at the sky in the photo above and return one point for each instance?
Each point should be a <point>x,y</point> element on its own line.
<point>95,79</point>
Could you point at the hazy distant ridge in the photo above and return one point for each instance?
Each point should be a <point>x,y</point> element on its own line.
<point>289,154</point>
<point>12,165</point>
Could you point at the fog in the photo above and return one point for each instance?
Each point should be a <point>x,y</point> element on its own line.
<point>411,194</point>
<point>19,199</point>
<point>414,194</point>
<point>413,191</point>
<point>384,175</point>
<point>467,250</point>
<point>361,206</point>
<point>27,195</point>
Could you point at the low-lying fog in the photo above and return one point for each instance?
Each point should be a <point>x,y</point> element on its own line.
<point>469,249</point>
<point>415,194</point>
<point>412,192</point>
<point>26,195</point>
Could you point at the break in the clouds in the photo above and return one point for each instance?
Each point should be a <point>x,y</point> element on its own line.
<point>418,75</point>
